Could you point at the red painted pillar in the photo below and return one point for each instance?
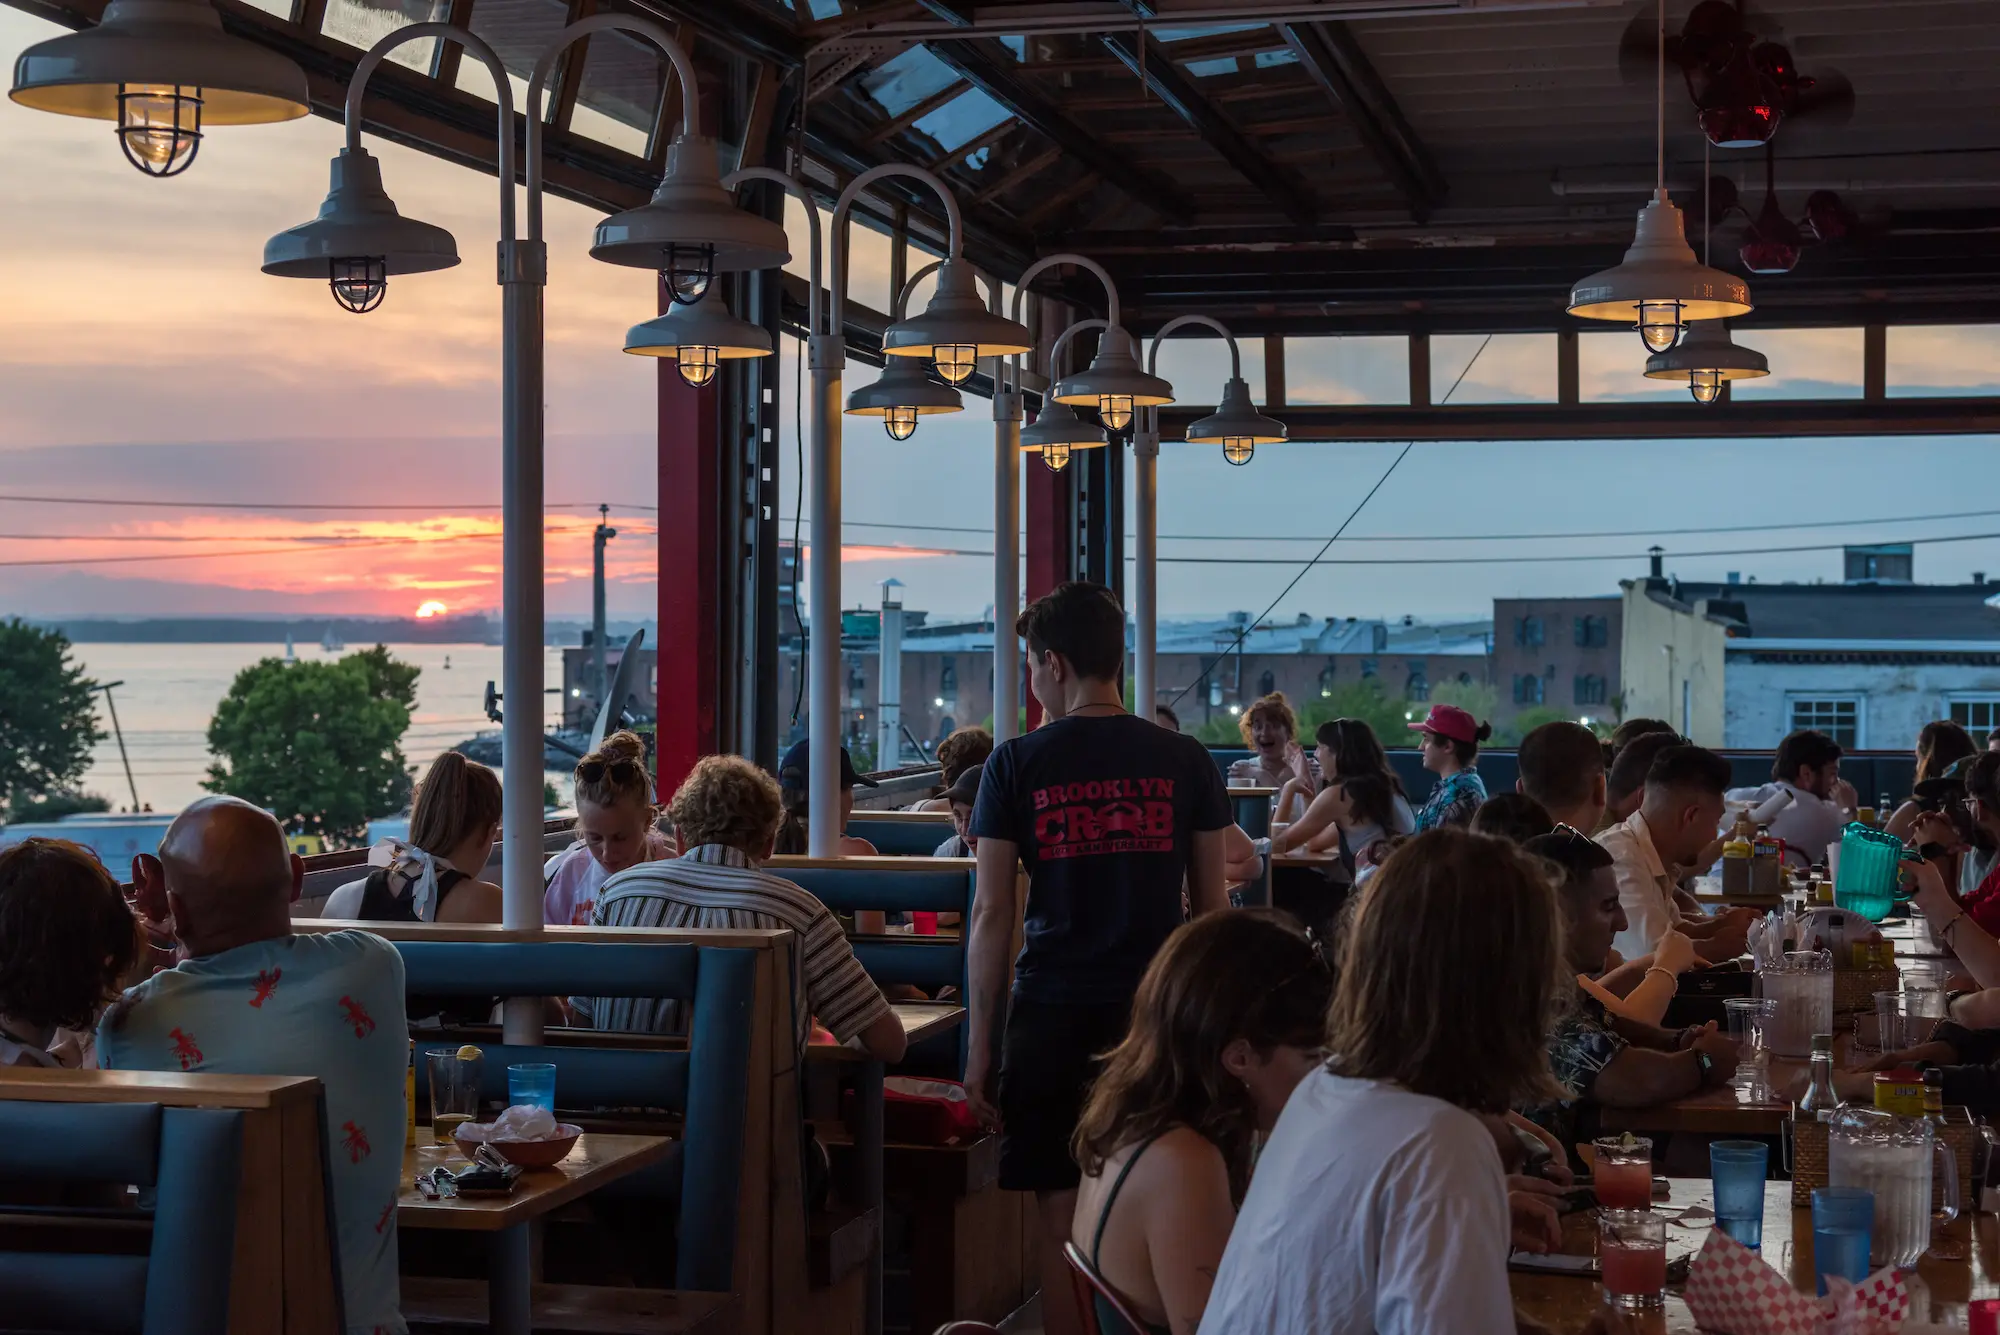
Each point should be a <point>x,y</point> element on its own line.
<point>689,445</point>
<point>1047,499</point>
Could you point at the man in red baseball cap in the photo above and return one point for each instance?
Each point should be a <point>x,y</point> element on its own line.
<point>1450,747</point>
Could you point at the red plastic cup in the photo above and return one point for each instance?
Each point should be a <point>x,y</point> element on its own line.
<point>1983,1316</point>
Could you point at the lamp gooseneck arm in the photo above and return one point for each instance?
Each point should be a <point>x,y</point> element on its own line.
<point>845,204</point>
<point>653,32</point>
<point>815,323</point>
<point>357,87</point>
<point>1181,321</point>
<point>1043,265</point>
<point>910,285</point>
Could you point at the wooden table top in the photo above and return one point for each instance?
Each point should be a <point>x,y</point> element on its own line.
<point>596,1160</point>
<point>1714,1112</point>
<point>1962,1264</point>
<point>921,1020</point>
<point>1304,857</point>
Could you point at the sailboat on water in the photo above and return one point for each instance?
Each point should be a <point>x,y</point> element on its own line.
<point>331,642</point>
<point>291,654</point>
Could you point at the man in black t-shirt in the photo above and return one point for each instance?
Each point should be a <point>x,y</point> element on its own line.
<point>1111,815</point>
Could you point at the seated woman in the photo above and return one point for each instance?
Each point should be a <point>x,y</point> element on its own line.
<point>794,776</point>
<point>67,945</point>
<point>1270,730</point>
<point>1380,1202</point>
<point>1356,817</point>
<point>616,822</point>
<point>1940,745</point>
<point>1228,1018</point>
<point>961,751</point>
<point>434,876</point>
<point>1345,748</point>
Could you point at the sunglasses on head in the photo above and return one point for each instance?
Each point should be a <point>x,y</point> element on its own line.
<point>593,771</point>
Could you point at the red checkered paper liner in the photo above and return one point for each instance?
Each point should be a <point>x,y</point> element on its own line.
<point>1731,1291</point>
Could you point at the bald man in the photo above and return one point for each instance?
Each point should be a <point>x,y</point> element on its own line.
<point>251,998</point>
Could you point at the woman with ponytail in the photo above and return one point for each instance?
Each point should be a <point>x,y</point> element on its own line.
<point>434,875</point>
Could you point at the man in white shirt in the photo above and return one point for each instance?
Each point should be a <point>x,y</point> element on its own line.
<point>1676,820</point>
<point>1822,803</point>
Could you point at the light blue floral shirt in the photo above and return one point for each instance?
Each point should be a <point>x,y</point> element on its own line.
<point>1453,801</point>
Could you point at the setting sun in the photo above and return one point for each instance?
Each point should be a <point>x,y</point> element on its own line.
<point>431,609</point>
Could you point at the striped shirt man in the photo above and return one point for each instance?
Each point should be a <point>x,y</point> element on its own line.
<point>717,887</point>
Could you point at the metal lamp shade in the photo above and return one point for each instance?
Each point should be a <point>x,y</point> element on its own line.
<point>1114,372</point>
<point>160,43</point>
<point>1236,418</point>
<point>1708,347</point>
<point>358,220</point>
<point>691,210</point>
<point>705,324</point>
<point>1659,268</point>
<point>903,384</point>
<point>1058,424</point>
<point>955,318</point>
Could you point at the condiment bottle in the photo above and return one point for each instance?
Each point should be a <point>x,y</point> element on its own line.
<point>1819,1101</point>
<point>1736,853</point>
<point>1934,1096</point>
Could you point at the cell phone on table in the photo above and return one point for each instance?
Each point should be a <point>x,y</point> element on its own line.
<point>1577,1198</point>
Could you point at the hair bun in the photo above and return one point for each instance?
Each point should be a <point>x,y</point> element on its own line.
<point>621,745</point>
<point>1485,731</point>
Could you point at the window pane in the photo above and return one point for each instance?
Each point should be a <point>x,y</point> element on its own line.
<point>1835,718</point>
<point>1196,362</point>
<point>1514,368</point>
<point>868,266</point>
<point>1977,717</point>
<point>963,119</point>
<point>901,83</point>
<point>1347,369</point>
<point>620,97</point>
<point>1805,364</point>
<point>362,23</point>
<point>1943,359</point>
<point>1611,365</point>
<point>519,31</point>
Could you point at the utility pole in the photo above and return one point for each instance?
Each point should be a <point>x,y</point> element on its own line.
<point>600,683</point>
<point>889,679</point>
<point>119,733</point>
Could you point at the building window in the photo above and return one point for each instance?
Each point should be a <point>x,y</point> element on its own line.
<point>1838,717</point>
<point>1977,714</point>
<point>1591,689</point>
<point>1325,682</point>
<point>1528,632</point>
<point>1592,632</point>
<point>857,682</point>
<point>1367,668</point>
<point>948,675</point>
<point>1527,689</point>
<point>1417,685</point>
<point>1465,679</point>
<point>1267,683</point>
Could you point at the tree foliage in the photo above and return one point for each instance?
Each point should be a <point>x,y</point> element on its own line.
<point>48,714</point>
<point>316,743</point>
<point>54,806</point>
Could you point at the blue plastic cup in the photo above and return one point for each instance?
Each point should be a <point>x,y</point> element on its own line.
<point>532,1084</point>
<point>1843,1224</point>
<point>1738,1169</point>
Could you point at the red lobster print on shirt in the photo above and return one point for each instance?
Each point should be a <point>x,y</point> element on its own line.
<point>364,1024</point>
<point>1104,816</point>
<point>355,1142</point>
<point>184,1049</point>
<point>267,983</point>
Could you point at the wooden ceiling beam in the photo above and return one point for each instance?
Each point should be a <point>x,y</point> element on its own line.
<point>894,126</point>
<point>1333,58</point>
<point>1041,162</point>
<point>1242,153</point>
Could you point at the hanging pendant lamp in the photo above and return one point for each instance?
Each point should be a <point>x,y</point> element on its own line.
<point>1114,382</point>
<point>955,329</point>
<point>1659,286</point>
<point>1056,432</point>
<point>1705,359</point>
<point>359,240</point>
<point>902,394</point>
<point>1236,425</point>
<point>696,337</point>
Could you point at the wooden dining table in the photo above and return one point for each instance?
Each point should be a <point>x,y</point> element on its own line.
<point>1963,1264</point>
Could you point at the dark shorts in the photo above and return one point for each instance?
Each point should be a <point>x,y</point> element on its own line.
<point>1047,1060</point>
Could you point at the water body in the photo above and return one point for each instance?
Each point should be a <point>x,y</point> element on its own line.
<point>171,691</point>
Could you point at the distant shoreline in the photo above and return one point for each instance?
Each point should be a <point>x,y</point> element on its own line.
<point>307,632</point>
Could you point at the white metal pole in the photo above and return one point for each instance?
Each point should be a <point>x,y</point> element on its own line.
<point>823,700</point>
<point>1006,561</point>
<point>1145,561</point>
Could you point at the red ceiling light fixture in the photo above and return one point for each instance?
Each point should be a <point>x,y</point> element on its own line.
<point>1772,242</point>
<point>1743,85</point>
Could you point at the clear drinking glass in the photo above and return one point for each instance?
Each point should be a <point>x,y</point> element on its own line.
<point>1632,1250</point>
<point>1802,987</point>
<point>1889,1021</point>
<point>454,1084</point>
<point>1749,1019</point>
<point>1924,1005</point>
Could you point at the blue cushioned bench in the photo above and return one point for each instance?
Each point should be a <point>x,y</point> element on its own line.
<point>902,834</point>
<point>231,1231</point>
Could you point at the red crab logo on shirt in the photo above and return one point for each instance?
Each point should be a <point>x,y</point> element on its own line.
<point>355,1142</point>
<point>184,1049</point>
<point>267,983</point>
<point>382,1220</point>
<point>363,1023</point>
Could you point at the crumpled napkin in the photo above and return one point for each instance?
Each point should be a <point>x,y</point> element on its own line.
<point>521,1122</point>
<point>1731,1291</point>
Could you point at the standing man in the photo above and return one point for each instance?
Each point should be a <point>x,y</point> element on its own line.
<point>1114,818</point>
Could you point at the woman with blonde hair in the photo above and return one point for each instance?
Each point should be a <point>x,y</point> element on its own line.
<point>434,874</point>
<point>615,828</point>
<point>1229,1017</point>
<point>1380,1202</point>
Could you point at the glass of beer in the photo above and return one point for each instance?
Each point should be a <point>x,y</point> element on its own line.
<point>454,1078</point>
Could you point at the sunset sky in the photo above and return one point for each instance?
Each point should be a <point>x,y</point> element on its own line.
<point>144,357</point>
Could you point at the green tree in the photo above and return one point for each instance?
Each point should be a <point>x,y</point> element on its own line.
<point>318,744</point>
<point>48,714</point>
<point>54,806</point>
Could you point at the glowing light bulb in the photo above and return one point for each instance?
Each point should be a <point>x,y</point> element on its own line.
<point>1115,410</point>
<point>1238,449</point>
<point>1055,457</point>
<point>688,272</point>
<point>697,363</point>
<point>359,283</point>
<point>1660,324</point>
<point>900,422</point>
<point>159,126</point>
<point>1706,386</point>
<point>955,361</point>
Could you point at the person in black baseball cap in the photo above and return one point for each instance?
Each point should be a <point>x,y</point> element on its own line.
<point>793,783</point>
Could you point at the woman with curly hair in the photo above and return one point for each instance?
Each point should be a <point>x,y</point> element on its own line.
<point>1271,730</point>
<point>1228,1019</point>
<point>67,940</point>
<point>967,748</point>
